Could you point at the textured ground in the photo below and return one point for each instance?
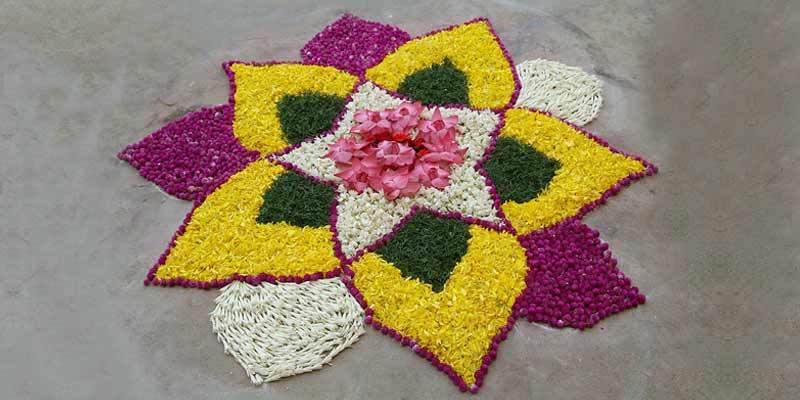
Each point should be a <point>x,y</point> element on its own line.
<point>708,90</point>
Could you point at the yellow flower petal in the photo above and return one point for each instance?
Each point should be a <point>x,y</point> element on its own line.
<point>458,323</point>
<point>472,48</point>
<point>223,238</point>
<point>587,170</point>
<point>259,88</point>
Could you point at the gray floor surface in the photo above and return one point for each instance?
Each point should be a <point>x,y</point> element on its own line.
<point>708,90</point>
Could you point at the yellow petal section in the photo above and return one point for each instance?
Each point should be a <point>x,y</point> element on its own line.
<point>223,238</point>
<point>458,323</point>
<point>472,48</point>
<point>587,170</point>
<point>259,88</point>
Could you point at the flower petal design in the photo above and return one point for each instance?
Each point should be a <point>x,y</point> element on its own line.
<point>590,171</point>
<point>363,218</point>
<point>427,248</point>
<point>284,329</point>
<point>440,84</point>
<point>518,171</point>
<point>458,327</point>
<point>574,281</point>
<point>223,241</point>
<point>473,48</point>
<point>298,124</point>
<point>353,44</point>
<point>256,90</point>
<point>191,156</point>
<point>476,128</point>
<point>472,222</point>
<point>566,92</point>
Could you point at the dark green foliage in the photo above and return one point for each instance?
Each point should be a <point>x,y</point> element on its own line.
<point>518,171</point>
<point>296,200</point>
<point>427,248</point>
<point>308,114</point>
<point>439,84</point>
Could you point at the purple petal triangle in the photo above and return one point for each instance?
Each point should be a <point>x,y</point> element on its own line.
<point>190,157</point>
<point>573,281</point>
<point>353,44</point>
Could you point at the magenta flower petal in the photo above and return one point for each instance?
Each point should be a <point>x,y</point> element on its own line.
<point>372,124</point>
<point>191,156</point>
<point>398,182</point>
<point>395,154</point>
<point>437,123</point>
<point>405,116</point>
<point>353,44</point>
<point>431,174</point>
<point>574,281</point>
<point>344,150</point>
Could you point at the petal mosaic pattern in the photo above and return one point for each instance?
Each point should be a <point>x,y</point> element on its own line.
<point>353,44</point>
<point>279,330</point>
<point>427,248</point>
<point>519,172</point>
<point>566,92</point>
<point>439,225</point>
<point>472,47</point>
<point>212,250</point>
<point>440,84</point>
<point>297,200</point>
<point>469,195</point>
<point>588,169</point>
<point>458,324</point>
<point>257,89</point>
<point>190,157</point>
<point>298,124</point>
<point>574,281</point>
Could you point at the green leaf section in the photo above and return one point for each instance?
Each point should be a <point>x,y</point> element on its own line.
<point>308,114</point>
<point>427,248</point>
<point>438,84</point>
<point>296,200</point>
<point>519,172</point>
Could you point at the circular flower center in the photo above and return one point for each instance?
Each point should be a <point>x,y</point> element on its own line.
<point>397,152</point>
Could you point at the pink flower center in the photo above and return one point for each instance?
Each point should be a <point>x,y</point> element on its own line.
<point>397,152</point>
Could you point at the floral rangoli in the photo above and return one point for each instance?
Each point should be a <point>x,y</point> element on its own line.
<point>425,186</point>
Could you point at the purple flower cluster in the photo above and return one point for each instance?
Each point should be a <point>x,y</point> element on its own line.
<point>190,157</point>
<point>353,44</point>
<point>574,281</point>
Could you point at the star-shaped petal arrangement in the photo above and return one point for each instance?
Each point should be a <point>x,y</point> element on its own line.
<point>488,232</point>
<point>362,220</point>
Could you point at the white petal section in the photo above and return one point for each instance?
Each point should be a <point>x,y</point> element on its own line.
<point>279,330</point>
<point>466,194</point>
<point>309,157</point>
<point>363,218</point>
<point>566,92</point>
<point>475,130</point>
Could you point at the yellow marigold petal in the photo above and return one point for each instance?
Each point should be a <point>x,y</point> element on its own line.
<point>223,238</point>
<point>473,48</point>
<point>458,323</point>
<point>259,88</point>
<point>588,169</point>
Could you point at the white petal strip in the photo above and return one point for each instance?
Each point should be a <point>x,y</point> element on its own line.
<point>284,329</point>
<point>564,91</point>
<point>363,218</point>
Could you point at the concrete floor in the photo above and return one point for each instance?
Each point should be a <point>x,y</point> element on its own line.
<point>708,90</point>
